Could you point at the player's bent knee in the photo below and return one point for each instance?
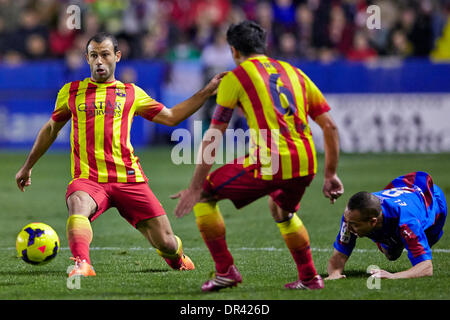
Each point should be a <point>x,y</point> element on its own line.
<point>81,203</point>
<point>278,214</point>
<point>207,197</point>
<point>167,244</point>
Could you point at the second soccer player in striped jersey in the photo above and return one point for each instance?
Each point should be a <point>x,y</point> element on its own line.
<point>105,171</point>
<point>276,99</point>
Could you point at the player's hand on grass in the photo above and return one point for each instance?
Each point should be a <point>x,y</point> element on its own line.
<point>382,274</point>
<point>23,178</point>
<point>188,199</point>
<point>333,188</point>
<point>212,86</point>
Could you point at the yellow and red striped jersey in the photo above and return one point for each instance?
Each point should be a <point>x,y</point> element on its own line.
<point>276,98</point>
<point>102,114</point>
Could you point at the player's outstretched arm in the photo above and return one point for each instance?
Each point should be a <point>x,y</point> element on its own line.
<point>45,138</point>
<point>336,265</point>
<point>193,194</point>
<point>183,110</point>
<point>422,269</point>
<point>332,186</point>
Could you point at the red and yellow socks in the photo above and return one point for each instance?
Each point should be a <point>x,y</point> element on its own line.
<point>79,235</point>
<point>212,228</point>
<point>297,240</point>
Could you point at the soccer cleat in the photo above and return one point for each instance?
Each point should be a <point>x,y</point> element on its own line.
<point>81,268</point>
<point>313,284</point>
<point>186,263</point>
<point>223,280</point>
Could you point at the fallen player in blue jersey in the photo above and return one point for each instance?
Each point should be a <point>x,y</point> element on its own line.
<point>408,214</point>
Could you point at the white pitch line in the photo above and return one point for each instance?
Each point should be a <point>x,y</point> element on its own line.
<point>231,249</point>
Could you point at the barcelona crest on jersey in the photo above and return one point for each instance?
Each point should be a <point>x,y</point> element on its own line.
<point>120,93</point>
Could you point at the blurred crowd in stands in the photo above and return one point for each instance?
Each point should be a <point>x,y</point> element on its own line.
<point>322,30</point>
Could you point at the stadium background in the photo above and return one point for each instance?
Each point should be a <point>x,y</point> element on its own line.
<point>388,87</point>
<point>389,90</point>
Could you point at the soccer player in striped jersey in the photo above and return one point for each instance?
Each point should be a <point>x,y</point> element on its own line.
<point>408,214</point>
<point>276,99</point>
<point>106,172</point>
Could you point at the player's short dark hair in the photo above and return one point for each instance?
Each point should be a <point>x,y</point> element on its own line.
<point>102,36</point>
<point>247,37</point>
<point>366,203</point>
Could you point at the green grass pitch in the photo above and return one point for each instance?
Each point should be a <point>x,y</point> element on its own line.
<point>128,268</point>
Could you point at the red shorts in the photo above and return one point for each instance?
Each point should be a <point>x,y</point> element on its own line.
<point>134,201</point>
<point>233,181</point>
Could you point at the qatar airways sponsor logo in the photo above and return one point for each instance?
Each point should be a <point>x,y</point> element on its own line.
<point>101,108</point>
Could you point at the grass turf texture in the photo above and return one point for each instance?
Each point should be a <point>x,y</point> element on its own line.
<point>128,268</point>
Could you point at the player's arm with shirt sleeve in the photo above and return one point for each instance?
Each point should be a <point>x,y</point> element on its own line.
<point>318,108</point>
<point>343,247</point>
<point>183,110</point>
<point>419,252</point>
<point>46,136</point>
<point>227,98</point>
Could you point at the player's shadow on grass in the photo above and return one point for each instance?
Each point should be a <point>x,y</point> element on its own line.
<point>352,274</point>
<point>10,284</point>
<point>31,272</point>
<point>150,270</point>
